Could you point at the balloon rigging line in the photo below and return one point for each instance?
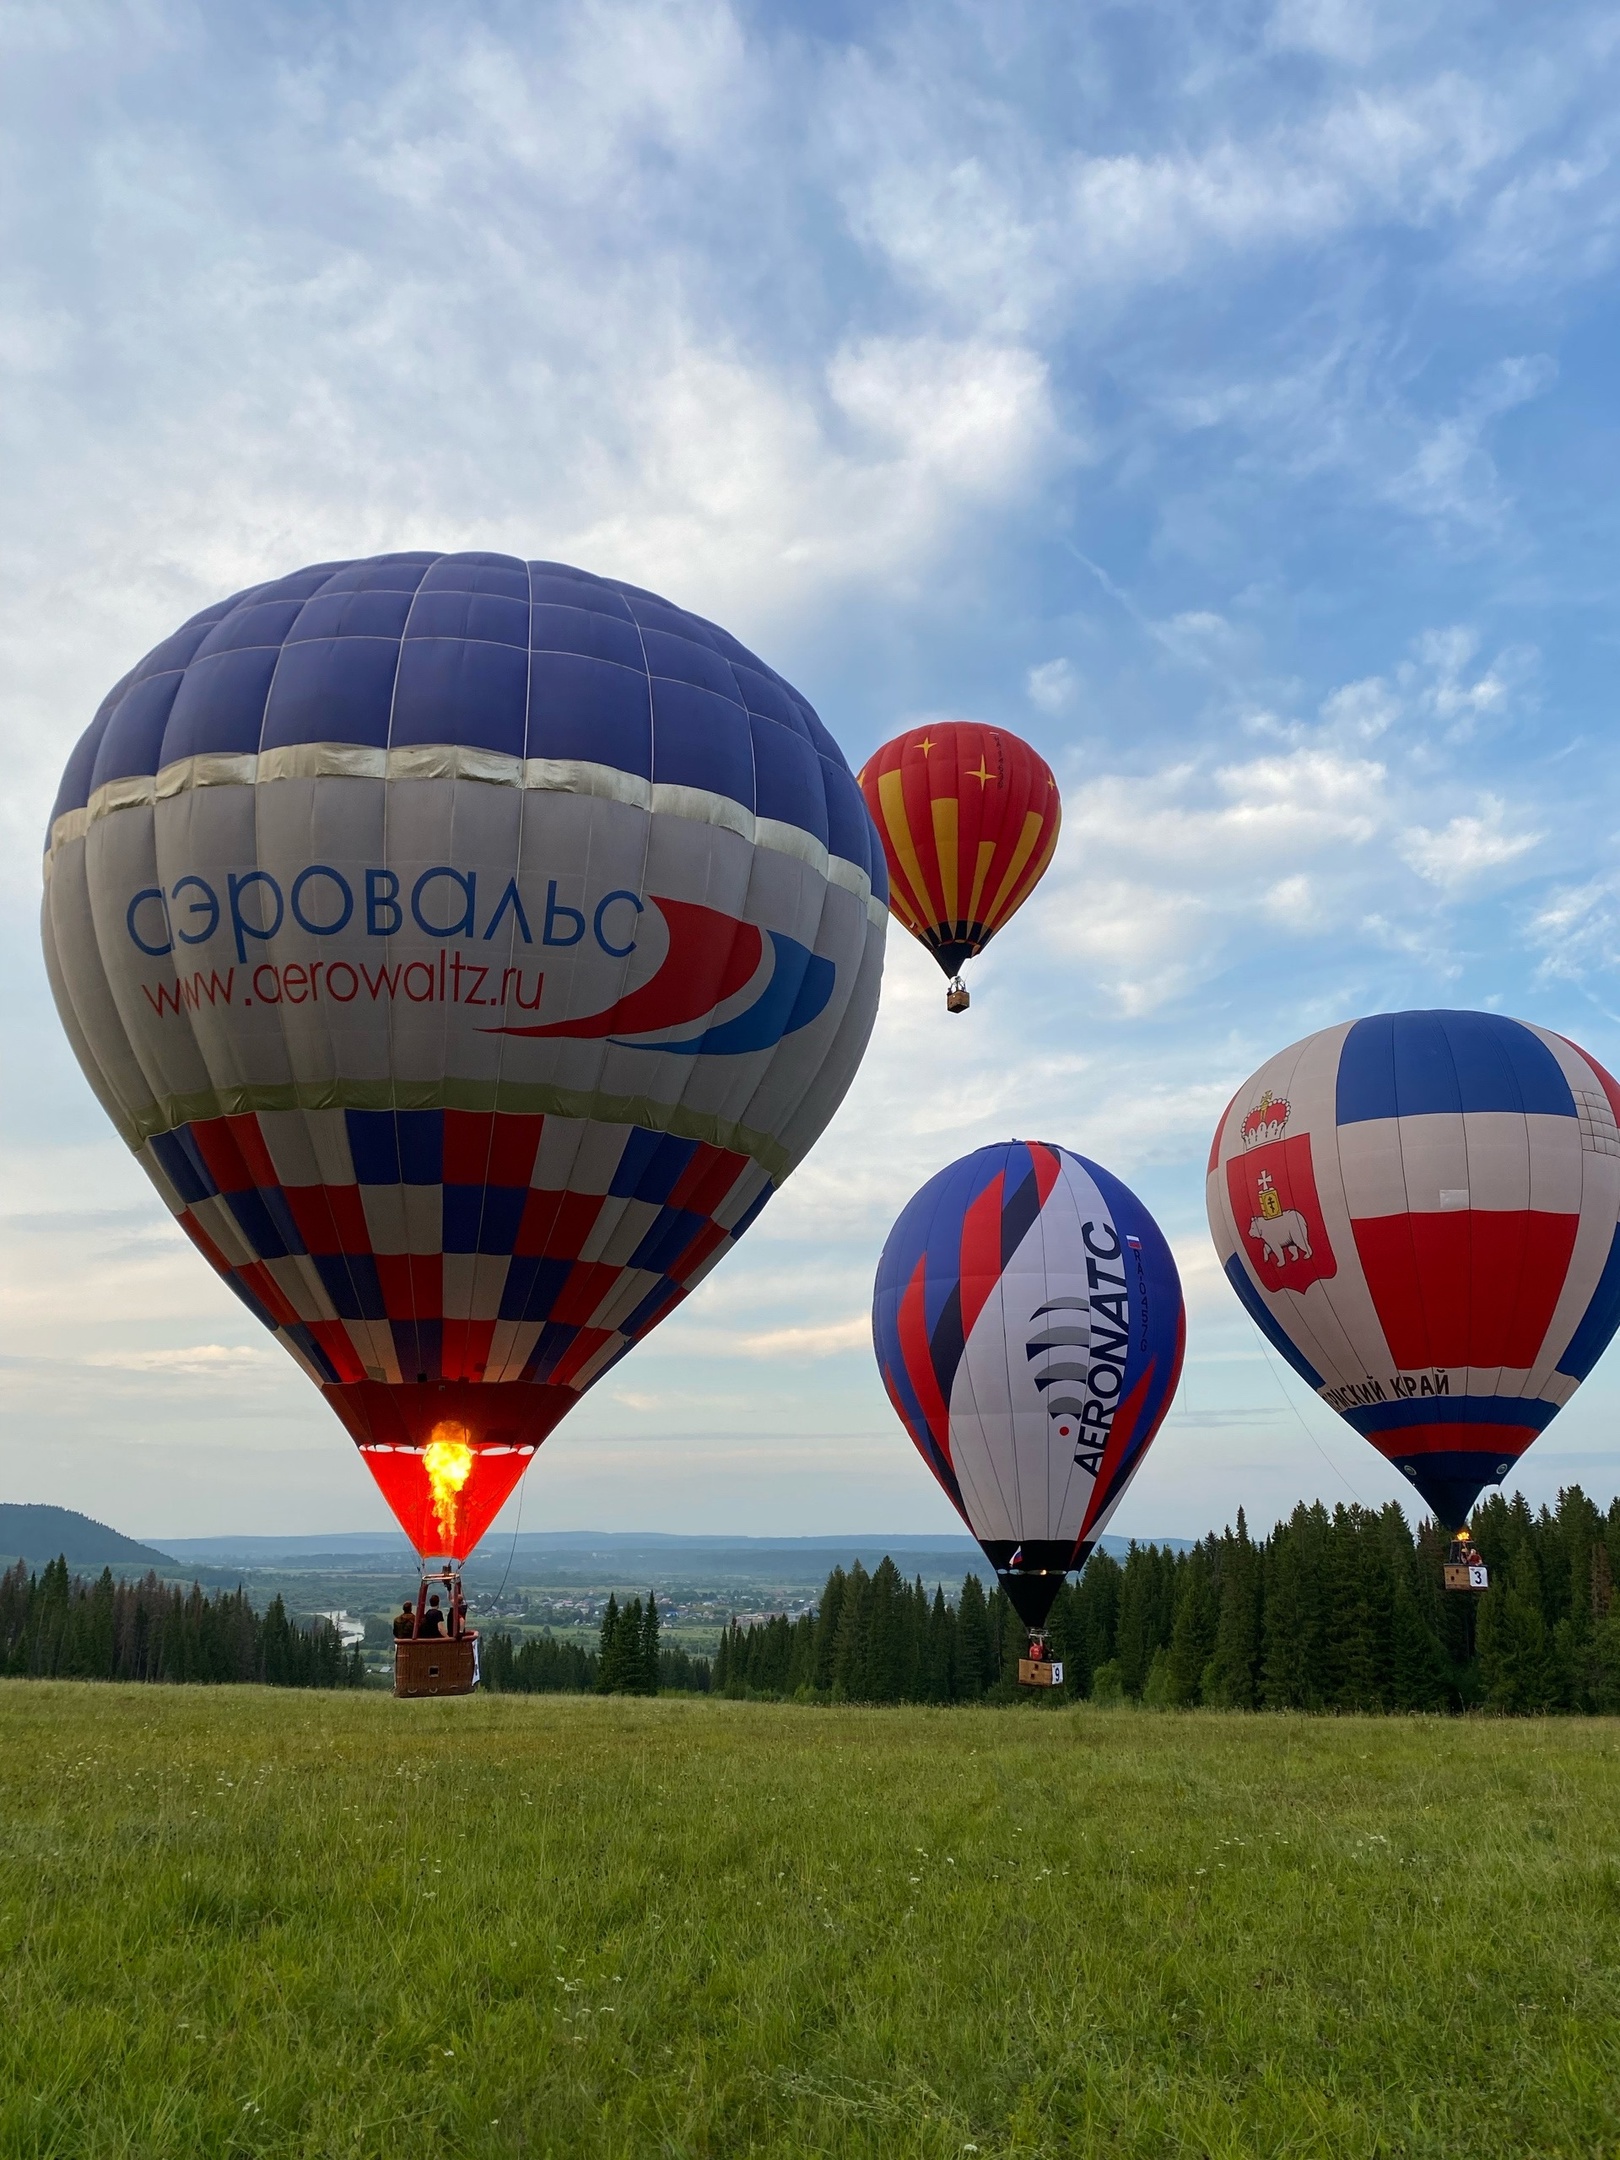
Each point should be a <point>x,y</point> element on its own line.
<point>516,1527</point>
<point>1305,1428</point>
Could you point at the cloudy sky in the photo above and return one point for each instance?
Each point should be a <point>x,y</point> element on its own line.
<point>1222,396</point>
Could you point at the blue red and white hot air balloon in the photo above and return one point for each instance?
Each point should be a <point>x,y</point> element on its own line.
<point>1029,1328</point>
<point>1419,1210</point>
<point>468,948</point>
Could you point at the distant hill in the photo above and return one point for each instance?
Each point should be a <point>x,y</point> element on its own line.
<point>364,1550</point>
<point>39,1534</point>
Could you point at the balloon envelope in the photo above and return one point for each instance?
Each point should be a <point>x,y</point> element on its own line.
<point>968,816</point>
<point>1419,1211</point>
<point>468,948</point>
<point>1028,1324</point>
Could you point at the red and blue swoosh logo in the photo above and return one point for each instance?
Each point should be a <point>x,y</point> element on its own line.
<point>713,959</point>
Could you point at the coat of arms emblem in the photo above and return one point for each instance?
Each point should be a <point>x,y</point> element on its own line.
<point>1272,1187</point>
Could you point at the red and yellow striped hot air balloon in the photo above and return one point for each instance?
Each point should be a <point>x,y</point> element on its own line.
<point>968,816</point>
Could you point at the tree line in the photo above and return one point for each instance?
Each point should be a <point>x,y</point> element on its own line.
<point>629,1660</point>
<point>1333,1611</point>
<point>54,1625</point>
<point>1340,1610</point>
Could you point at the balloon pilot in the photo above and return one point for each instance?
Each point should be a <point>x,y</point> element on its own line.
<point>1465,1567</point>
<point>435,1651</point>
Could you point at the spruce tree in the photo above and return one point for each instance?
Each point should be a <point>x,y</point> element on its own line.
<point>1094,1615</point>
<point>827,1619</point>
<point>1014,1642</point>
<point>849,1646</point>
<point>1229,1680</point>
<point>1418,1681</point>
<point>1192,1636</point>
<point>648,1675</point>
<point>1516,1657</point>
<point>975,1648</point>
<point>1352,1648</point>
<point>609,1654</point>
<point>883,1662</point>
<point>939,1659</point>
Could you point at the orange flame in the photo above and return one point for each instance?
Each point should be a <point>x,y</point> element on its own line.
<point>448,1460</point>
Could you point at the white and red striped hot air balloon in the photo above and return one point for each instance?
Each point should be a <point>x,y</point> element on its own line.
<point>1419,1211</point>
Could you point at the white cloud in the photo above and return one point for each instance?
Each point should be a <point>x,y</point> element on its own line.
<point>1577,931</point>
<point>1353,32</point>
<point>1451,474</point>
<point>1053,686</point>
<point>947,192</point>
<point>223,1361</point>
<point>1360,711</point>
<point>1467,847</point>
<point>823,1340</point>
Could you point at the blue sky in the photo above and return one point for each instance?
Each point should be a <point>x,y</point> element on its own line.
<point>1223,397</point>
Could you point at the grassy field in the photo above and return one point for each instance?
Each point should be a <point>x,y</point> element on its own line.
<point>240,1922</point>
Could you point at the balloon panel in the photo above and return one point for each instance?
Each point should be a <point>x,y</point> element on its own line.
<point>468,948</point>
<point>1029,1327</point>
<point>968,816</point>
<point>1419,1210</point>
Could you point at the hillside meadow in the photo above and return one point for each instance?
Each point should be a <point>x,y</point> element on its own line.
<point>243,1921</point>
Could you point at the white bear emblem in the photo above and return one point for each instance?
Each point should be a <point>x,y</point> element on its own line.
<point>1283,1237</point>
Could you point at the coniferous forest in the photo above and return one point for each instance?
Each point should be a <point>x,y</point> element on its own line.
<point>57,1626</point>
<point>1333,1611</point>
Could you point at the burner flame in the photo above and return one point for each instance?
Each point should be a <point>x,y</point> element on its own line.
<point>448,1459</point>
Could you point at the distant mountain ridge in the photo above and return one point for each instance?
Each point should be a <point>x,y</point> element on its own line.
<point>253,1550</point>
<point>41,1534</point>
<point>38,1534</point>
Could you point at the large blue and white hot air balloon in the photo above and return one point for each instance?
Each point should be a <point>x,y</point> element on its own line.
<point>468,948</point>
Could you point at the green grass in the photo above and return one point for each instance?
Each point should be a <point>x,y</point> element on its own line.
<point>235,1921</point>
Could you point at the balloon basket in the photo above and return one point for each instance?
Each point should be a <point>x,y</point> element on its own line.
<point>1040,1668</point>
<point>1040,1672</point>
<point>1464,1569</point>
<point>444,1662</point>
<point>956,997</point>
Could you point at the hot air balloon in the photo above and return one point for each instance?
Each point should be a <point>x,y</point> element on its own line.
<point>1419,1211</point>
<point>468,948</point>
<point>968,816</point>
<point>1029,1328</point>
